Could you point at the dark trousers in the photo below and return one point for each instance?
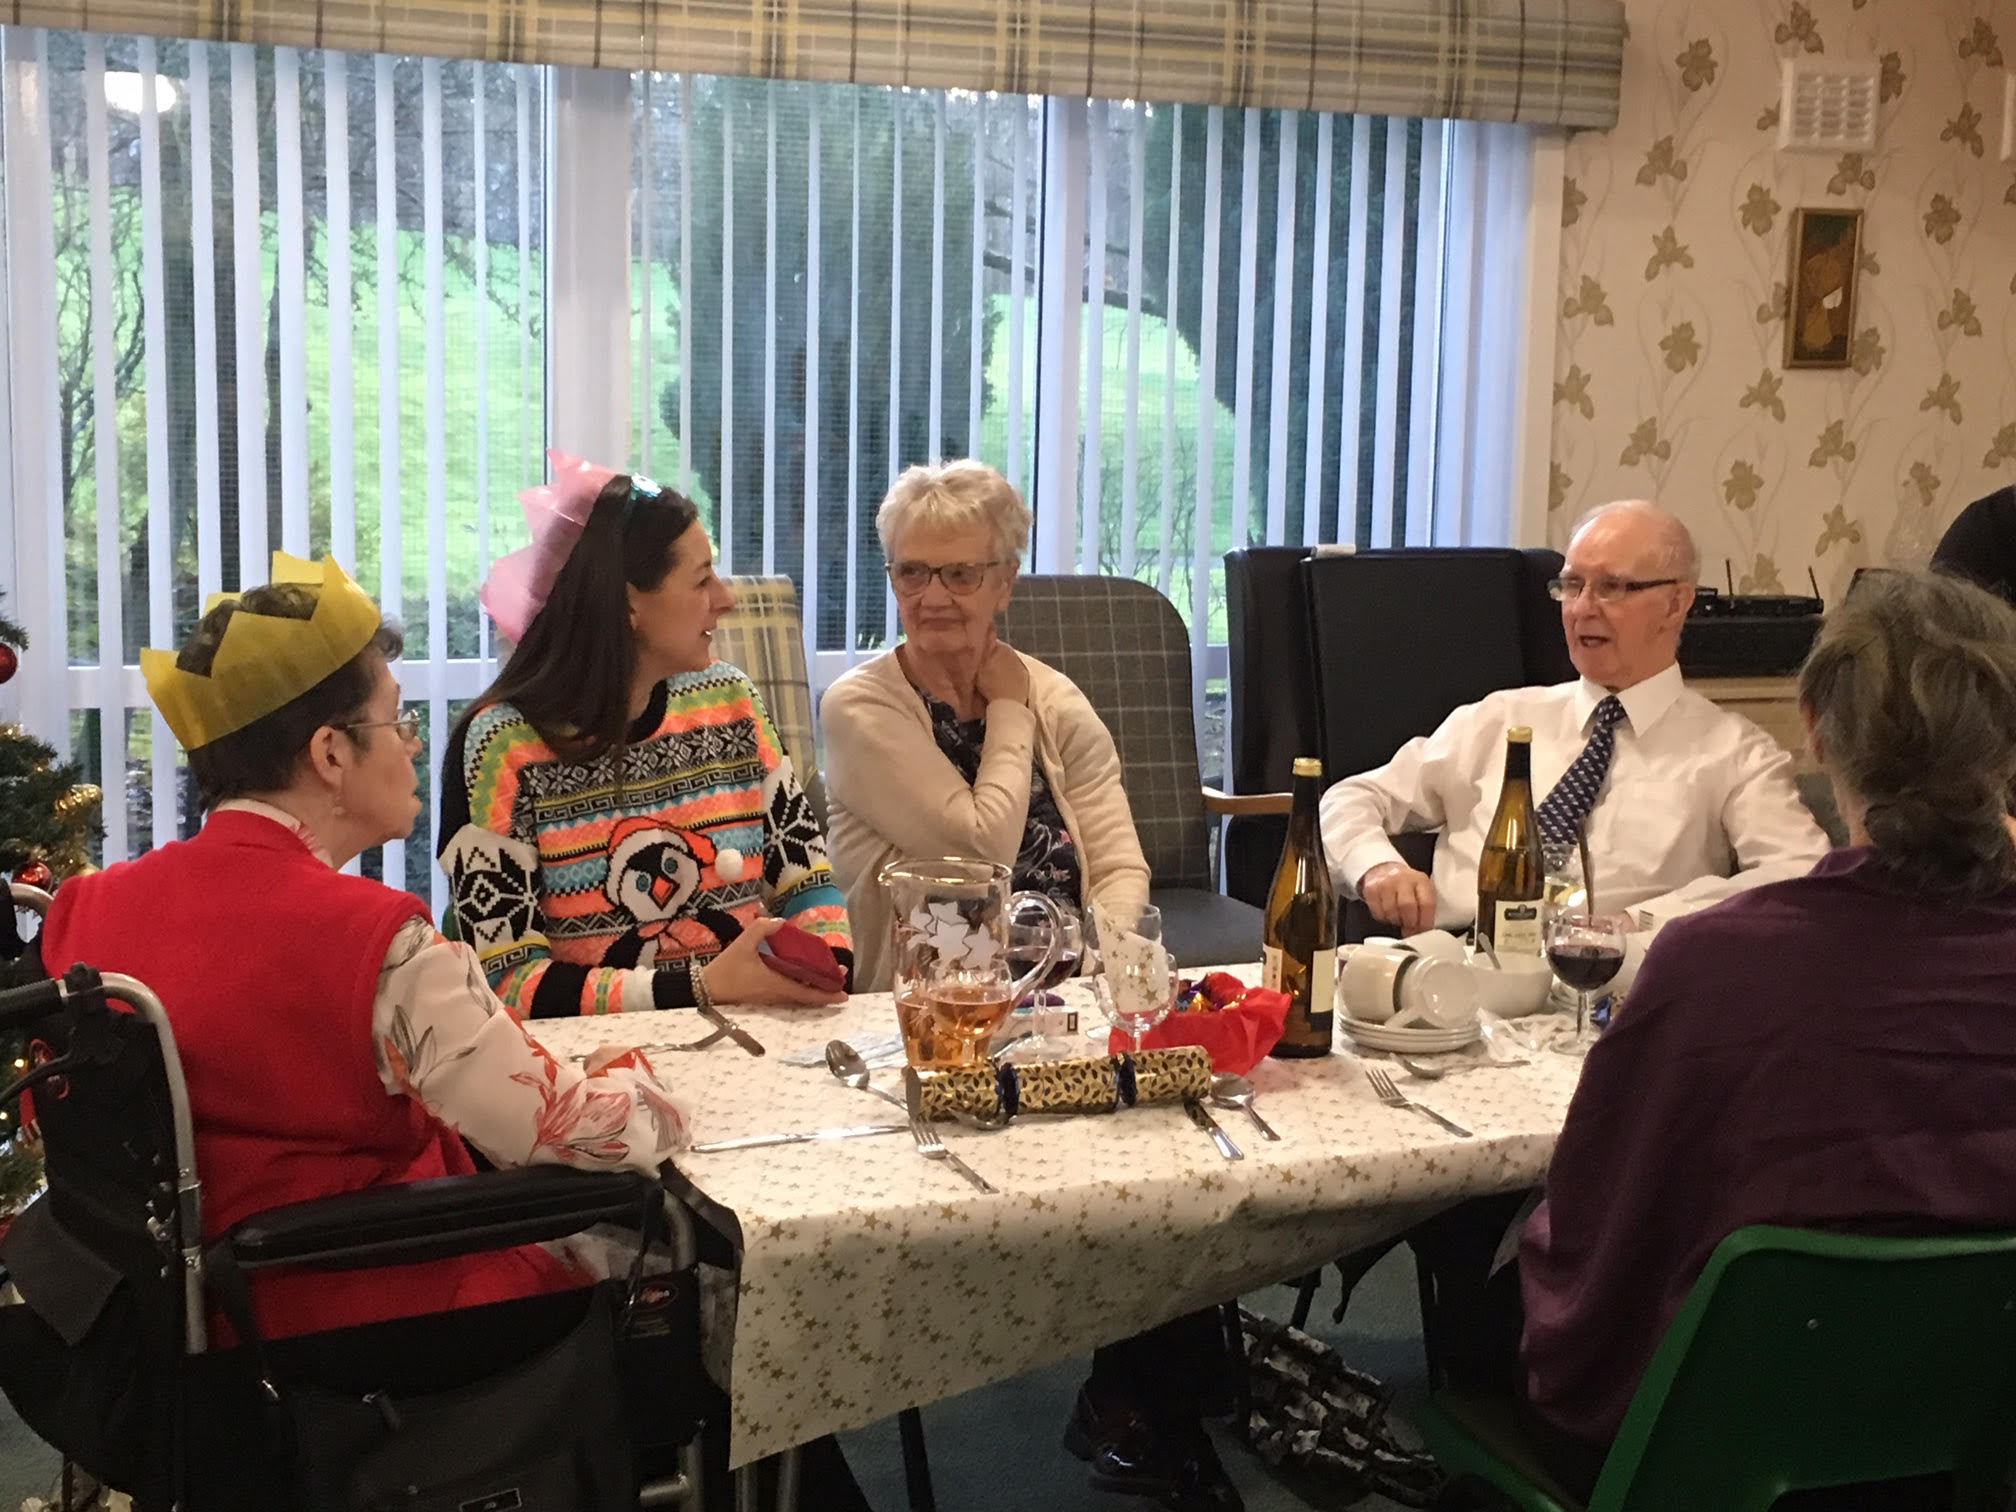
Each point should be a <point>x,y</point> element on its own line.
<point>1182,1368</point>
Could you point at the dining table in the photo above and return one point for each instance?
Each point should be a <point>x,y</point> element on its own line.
<point>869,1279</point>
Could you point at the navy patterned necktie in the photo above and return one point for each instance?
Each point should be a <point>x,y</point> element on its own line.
<point>1575,794</point>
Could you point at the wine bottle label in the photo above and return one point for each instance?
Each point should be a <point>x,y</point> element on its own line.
<point>1516,931</point>
<point>1270,968</point>
<point>1322,986</point>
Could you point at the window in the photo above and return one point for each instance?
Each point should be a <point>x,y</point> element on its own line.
<point>1177,329</point>
<point>284,299</point>
<point>270,296</point>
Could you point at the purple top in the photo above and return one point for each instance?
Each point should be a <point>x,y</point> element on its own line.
<point>1832,1052</point>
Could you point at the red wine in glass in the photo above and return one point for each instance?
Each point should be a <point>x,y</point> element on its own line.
<point>1584,965</point>
<point>1065,968</point>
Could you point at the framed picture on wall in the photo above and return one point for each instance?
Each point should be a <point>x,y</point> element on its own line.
<point>1820,319</point>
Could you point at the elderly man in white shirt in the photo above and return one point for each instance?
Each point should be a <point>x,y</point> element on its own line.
<point>1690,803</point>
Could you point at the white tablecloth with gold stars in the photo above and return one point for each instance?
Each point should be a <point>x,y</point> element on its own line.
<point>873,1280</point>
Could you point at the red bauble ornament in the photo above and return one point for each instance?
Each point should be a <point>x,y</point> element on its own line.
<point>10,661</point>
<point>35,874</point>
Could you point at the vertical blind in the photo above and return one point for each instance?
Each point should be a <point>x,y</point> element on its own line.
<point>293,299</point>
<point>1233,327</point>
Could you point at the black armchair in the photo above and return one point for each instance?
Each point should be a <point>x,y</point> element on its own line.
<point>1349,655</point>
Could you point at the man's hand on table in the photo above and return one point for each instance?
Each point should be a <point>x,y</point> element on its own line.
<point>1397,893</point>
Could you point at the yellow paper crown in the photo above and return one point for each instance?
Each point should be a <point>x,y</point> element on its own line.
<point>264,661</point>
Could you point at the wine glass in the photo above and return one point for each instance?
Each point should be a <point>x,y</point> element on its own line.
<point>1586,951</point>
<point>1028,941</point>
<point>1136,984</point>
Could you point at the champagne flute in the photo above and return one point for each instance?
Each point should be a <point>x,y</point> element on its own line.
<point>1136,984</point>
<point>1586,952</point>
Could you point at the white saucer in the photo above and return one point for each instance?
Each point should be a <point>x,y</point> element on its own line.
<point>1411,1041</point>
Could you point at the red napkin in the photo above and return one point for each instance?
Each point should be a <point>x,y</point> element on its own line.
<point>1237,1035</point>
<point>804,958</point>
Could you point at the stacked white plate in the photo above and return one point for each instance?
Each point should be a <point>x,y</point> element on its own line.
<point>1409,1041</point>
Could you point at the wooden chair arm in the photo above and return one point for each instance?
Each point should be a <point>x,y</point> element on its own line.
<point>1240,805</point>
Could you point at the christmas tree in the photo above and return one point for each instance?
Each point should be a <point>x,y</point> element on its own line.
<point>48,819</point>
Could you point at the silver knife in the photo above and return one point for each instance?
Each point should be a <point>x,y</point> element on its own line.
<point>733,1030</point>
<point>1201,1116</point>
<point>754,1141</point>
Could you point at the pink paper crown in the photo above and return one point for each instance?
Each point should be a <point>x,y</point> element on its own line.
<point>556,513</point>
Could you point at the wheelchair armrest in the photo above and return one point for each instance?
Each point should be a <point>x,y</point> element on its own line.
<point>448,1215</point>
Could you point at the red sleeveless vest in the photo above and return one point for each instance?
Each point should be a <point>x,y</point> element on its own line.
<point>267,961</point>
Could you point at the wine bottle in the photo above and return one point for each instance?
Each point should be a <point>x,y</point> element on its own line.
<point>1511,873</point>
<point>1299,937</point>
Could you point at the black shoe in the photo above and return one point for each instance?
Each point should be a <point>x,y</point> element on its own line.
<point>1201,1484</point>
<point>1116,1439</point>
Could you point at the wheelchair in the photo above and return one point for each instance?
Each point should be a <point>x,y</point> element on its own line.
<point>114,1356</point>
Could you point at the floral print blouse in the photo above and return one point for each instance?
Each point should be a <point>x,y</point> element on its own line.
<point>1048,860</point>
<point>442,1037</point>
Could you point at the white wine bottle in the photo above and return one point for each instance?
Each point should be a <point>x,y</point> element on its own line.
<point>1299,937</point>
<point>1511,874</point>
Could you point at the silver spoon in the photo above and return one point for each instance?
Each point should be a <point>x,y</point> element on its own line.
<point>1229,1090</point>
<point>845,1062</point>
<point>1421,1068</point>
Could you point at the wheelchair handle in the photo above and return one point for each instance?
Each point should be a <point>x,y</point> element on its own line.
<point>37,1000</point>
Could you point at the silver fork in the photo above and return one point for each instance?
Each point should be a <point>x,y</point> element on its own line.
<point>931,1147</point>
<point>1393,1097</point>
<point>698,1044</point>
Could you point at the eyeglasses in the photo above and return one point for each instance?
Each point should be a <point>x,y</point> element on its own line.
<point>961,577</point>
<point>407,724</point>
<point>1606,590</point>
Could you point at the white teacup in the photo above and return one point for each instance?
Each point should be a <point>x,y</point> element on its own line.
<point>1369,983</point>
<point>1437,944</point>
<point>1438,994</point>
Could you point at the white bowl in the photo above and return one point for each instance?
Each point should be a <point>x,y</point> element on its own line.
<point>1518,987</point>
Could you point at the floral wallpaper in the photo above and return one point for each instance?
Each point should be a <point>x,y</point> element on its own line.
<point>1669,376</point>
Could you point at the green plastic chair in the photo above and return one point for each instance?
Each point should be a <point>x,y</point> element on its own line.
<point>1799,1360</point>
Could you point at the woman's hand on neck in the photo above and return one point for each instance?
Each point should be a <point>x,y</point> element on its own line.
<point>950,677</point>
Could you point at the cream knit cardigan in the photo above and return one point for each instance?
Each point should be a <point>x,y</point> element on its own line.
<point>892,794</point>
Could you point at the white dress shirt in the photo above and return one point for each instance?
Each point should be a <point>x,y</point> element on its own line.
<point>1698,802</point>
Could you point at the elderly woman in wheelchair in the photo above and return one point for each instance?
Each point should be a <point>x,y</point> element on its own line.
<point>332,1045</point>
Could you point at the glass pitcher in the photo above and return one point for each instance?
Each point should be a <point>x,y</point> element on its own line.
<point>955,979</point>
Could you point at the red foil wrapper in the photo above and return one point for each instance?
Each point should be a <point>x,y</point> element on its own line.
<point>1237,1035</point>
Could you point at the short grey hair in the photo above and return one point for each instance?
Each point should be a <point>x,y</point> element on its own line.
<point>1678,556</point>
<point>955,495</point>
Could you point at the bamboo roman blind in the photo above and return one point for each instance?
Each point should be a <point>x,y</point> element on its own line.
<point>1552,62</point>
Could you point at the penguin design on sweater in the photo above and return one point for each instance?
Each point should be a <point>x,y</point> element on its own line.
<point>654,872</point>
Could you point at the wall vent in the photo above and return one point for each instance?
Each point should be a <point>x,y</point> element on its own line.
<point>1828,106</point>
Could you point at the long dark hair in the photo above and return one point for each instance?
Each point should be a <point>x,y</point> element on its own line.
<point>1912,690</point>
<point>570,677</point>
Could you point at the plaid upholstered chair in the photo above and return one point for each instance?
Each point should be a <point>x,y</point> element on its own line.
<point>764,635</point>
<point>1128,650</point>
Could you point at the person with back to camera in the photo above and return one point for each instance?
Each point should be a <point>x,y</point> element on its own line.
<point>331,1039</point>
<point>1829,1052</point>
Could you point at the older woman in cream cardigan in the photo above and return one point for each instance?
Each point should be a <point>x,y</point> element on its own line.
<point>954,744</point>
